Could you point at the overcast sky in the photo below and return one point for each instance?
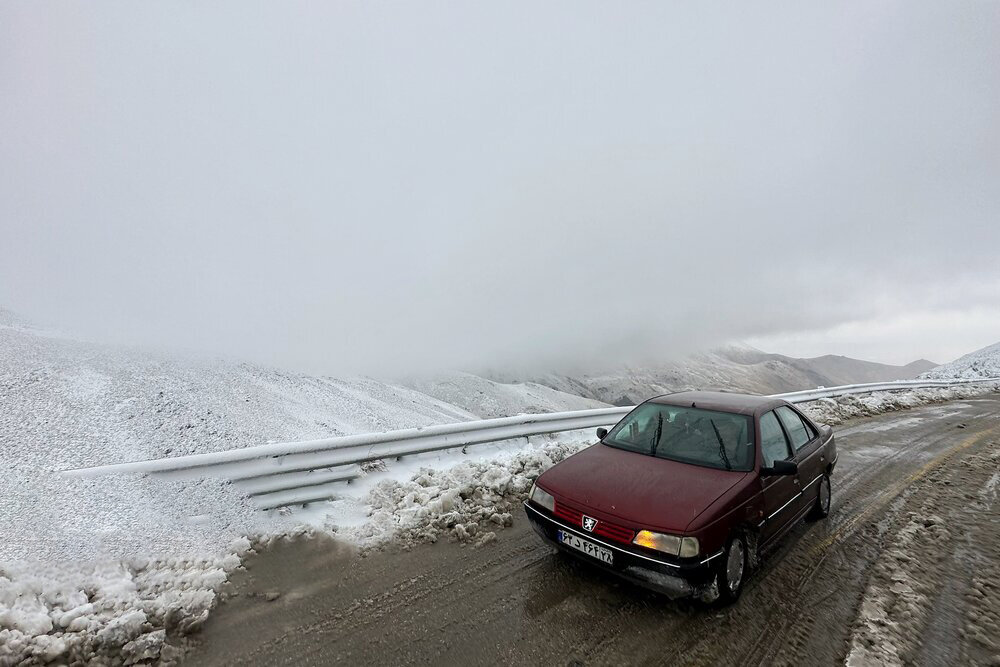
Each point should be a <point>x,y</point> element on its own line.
<point>382,187</point>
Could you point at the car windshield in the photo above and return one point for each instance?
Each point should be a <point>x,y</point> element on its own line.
<point>689,435</point>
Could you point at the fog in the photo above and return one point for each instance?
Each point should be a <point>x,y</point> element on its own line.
<point>371,187</point>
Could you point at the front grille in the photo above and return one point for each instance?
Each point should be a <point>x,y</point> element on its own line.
<point>571,515</point>
<point>604,528</point>
<point>617,533</point>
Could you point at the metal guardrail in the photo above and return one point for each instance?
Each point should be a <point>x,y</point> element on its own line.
<point>281,474</point>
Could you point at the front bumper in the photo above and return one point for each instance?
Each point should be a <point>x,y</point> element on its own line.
<point>673,579</point>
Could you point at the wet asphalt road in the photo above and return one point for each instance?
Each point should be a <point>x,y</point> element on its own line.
<point>514,602</point>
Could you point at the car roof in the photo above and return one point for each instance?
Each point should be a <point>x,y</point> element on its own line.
<point>721,401</point>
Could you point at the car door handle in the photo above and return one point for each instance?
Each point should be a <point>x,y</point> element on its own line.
<point>796,481</point>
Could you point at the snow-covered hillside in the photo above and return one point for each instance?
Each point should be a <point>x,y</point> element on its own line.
<point>488,398</point>
<point>103,568</point>
<point>984,363</point>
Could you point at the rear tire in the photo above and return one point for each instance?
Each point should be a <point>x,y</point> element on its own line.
<point>821,509</point>
<point>731,570</point>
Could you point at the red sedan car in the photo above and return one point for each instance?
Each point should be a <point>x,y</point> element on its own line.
<point>687,489</point>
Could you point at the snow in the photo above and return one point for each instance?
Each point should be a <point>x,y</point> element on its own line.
<point>120,569</point>
<point>112,610</point>
<point>835,411</point>
<point>109,569</point>
<point>984,363</point>
<point>464,502</point>
<point>488,398</point>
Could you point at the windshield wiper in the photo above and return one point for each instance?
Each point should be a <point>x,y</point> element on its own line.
<point>656,436</point>
<point>722,445</point>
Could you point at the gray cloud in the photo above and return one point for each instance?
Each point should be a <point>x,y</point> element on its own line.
<point>384,187</point>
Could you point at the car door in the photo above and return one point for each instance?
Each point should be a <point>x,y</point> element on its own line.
<point>808,450</point>
<point>780,491</point>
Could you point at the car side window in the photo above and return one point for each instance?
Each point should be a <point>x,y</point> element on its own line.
<point>798,432</point>
<point>773,444</point>
<point>810,429</point>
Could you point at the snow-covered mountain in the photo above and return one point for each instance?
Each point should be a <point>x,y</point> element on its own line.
<point>734,367</point>
<point>984,363</point>
<point>92,403</point>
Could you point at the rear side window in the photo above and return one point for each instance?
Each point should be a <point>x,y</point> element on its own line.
<point>798,431</point>
<point>773,444</point>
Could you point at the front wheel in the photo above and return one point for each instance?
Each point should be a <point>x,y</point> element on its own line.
<point>822,507</point>
<point>731,570</point>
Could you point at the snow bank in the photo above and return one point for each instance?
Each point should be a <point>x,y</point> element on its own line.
<point>466,502</point>
<point>835,411</point>
<point>109,612</point>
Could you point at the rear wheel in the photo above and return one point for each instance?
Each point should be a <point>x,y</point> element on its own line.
<point>731,570</point>
<point>822,507</point>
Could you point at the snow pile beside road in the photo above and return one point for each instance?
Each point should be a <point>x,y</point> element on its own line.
<point>466,502</point>
<point>835,411</point>
<point>984,363</point>
<point>110,612</point>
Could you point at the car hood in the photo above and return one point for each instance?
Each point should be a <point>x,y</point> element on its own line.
<point>641,491</point>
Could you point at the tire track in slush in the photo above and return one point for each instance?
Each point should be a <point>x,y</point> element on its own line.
<point>765,654</point>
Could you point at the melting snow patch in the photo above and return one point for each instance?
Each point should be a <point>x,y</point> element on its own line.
<point>116,612</point>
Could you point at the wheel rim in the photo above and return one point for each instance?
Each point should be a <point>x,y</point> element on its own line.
<point>734,566</point>
<point>824,494</point>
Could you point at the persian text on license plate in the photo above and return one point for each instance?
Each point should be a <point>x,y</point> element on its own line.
<point>589,548</point>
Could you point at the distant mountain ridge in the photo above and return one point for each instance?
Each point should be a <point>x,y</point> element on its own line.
<point>836,369</point>
<point>734,367</point>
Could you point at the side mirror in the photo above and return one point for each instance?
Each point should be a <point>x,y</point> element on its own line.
<point>601,432</point>
<point>781,468</point>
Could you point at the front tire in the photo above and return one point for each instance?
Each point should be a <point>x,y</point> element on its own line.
<point>731,570</point>
<point>821,509</point>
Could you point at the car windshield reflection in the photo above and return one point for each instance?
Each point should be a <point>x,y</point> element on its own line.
<point>688,435</point>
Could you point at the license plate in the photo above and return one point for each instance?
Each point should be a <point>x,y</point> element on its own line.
<point>589,548</point>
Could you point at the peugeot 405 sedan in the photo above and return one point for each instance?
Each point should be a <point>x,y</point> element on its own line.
<point>685,492</point>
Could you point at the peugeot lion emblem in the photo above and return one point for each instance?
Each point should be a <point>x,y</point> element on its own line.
<point>589,524</point>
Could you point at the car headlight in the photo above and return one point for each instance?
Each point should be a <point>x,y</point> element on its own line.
<point>685,547</point>
<point>542,498</point>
